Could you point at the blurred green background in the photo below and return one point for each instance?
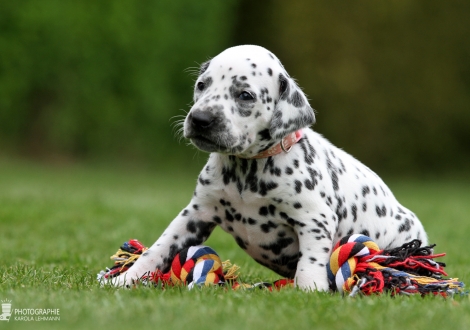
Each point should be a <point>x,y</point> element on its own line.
<point>103,80</point>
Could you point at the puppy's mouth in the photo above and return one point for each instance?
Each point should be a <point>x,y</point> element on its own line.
<point>220,144</point>
<point>205,144</point>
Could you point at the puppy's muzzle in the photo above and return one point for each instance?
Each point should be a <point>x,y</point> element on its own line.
<point>201,121</point>
<point>208,129</point>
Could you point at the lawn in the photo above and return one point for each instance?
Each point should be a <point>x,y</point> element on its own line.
<point>60,224</point>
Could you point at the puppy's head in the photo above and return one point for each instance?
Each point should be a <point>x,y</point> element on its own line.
<point>244,103</point>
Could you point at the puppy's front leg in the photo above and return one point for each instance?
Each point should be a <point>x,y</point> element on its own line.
<point>315,243</point>
<point>191,227</point>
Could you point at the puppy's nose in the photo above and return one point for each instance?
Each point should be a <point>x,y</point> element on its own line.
<point>202,119</point>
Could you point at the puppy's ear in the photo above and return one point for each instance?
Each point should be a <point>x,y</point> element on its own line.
<point>292,110</point>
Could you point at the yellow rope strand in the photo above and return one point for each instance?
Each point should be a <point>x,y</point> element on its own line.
<point>230,271</point>
<point>124,258</point>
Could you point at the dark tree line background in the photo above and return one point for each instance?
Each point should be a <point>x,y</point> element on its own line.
<point>84,80</point>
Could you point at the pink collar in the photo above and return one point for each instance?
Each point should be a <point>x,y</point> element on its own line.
<point>285,145</point>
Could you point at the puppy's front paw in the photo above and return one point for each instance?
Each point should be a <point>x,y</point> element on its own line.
<point>125,280</point>
<point>310,282</point>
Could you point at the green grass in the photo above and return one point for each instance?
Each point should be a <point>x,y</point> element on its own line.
<point>60,224</point>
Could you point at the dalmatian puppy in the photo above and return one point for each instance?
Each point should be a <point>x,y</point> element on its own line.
<point>283,192</point>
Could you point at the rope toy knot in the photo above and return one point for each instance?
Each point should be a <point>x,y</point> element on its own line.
<point>197,265</point>
<point>357,265</point>
<point>345,257</point>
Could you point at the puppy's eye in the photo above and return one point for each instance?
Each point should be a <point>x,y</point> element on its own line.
<point>245,96</point>
<point>200,86</point>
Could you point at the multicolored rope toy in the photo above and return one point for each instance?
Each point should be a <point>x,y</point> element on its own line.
<point>197,265</point>
<point>124,258</point>
<point>357,265</point>
<point>194,265</point>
